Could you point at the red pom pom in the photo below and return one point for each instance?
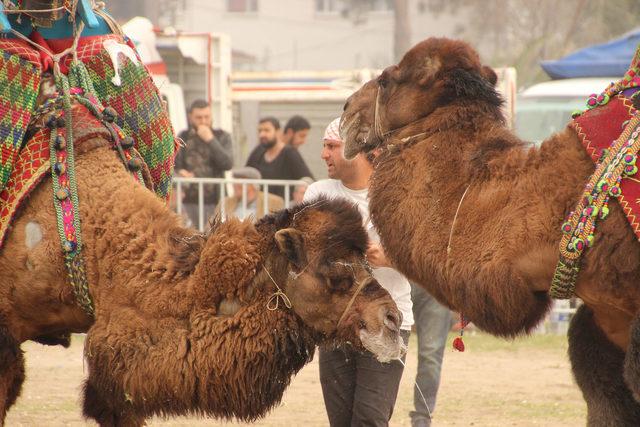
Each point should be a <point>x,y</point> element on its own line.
<point>458,344</point>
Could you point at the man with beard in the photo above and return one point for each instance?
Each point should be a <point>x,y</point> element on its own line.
<point>207,153</point>
<point>275,159</point>
<point>359,390</point>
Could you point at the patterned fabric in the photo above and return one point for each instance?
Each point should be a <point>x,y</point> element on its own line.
<point>332,133</point>
<point>140,113</point>
<point>19,84</point>
<point>610,133</point>
<point>137,101</point>
<point>30,167</point>
<point>33,164</point>
<point>597,128</point>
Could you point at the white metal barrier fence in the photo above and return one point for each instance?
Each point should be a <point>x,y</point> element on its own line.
<point>225,189</point>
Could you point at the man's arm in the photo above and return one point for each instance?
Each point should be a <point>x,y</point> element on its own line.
<point>376,256</point>
<point>222,151</point>
<point>297,166</point>
<point>311,193</point>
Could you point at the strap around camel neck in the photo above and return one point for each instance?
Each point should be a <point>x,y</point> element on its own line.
<point>351,301</point>
<point>377,130</point>
<point>76,87</point>
<point>274,299</point>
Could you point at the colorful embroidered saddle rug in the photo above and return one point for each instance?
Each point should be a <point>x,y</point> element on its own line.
<point>610,133</point>
<point>597,128</point>
<point>140,113</point>
<point>136,100</point>
<point>33,164</point>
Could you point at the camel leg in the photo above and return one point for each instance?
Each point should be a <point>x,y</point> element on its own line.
<point>96,406</point>
<point>11,372</point>
<point>108,407</point>
<point>632,360</point>
<point>598,369</point>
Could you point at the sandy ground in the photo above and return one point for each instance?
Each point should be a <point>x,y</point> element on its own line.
<point>493,383</point>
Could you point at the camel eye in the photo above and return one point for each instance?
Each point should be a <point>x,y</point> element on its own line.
<point>371,288</point>
<point>383,81</point>
<point>341,284</point>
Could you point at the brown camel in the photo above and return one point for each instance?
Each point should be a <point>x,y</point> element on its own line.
<point>186,323</point>
<point>474,215</point>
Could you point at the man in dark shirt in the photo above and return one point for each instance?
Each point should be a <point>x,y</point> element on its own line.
<point>275,159</point>
<point>207,154</point>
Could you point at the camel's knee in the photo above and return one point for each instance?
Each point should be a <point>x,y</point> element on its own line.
<point>632,360</point>
<point>597,367</point>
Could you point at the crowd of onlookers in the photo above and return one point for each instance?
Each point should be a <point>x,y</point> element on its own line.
<point>357,388</point>
<point>208,153</point>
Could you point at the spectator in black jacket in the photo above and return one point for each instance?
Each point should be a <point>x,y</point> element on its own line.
<point>275,159</point>
<point>207,153</point>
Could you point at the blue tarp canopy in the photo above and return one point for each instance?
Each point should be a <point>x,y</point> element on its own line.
<point>600,60</point>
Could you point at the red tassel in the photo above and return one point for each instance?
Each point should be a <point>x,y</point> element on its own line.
<point>458,344</point>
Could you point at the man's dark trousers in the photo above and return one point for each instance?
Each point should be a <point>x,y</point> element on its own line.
<point>358,390</point>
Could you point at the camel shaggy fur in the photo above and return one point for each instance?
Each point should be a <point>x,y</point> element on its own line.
<point>473,214</point>
<point>186,323</point>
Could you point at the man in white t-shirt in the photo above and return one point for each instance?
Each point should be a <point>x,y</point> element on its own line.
<point>357,389</point>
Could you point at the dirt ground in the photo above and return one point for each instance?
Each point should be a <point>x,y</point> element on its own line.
<point>493,383</point>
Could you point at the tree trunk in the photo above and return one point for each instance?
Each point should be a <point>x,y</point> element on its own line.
<point>402,29</point>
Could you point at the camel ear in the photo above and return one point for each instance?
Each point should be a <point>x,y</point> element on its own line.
<point>430,67</point>
<point>489,75</point>
<point>291,243</point>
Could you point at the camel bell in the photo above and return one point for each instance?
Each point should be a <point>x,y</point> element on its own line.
<point>52,122</point>
<point>62,194</point>
<point>109,114</point>
<point>59,168</point>
<point>127,142</point>
<point>134,164</point>
<point>60,143</point>
<point>69,246</point>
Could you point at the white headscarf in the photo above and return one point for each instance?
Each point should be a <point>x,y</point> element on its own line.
<point>332,133</point>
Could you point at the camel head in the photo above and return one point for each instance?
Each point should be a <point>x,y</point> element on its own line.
<point>434,73</point>
<point>330,283</point>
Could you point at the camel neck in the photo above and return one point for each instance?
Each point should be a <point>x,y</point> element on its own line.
<point>516,200</point>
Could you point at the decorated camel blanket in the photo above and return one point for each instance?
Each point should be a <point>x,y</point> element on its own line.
<point>120,81</point>
<point>607,118</point>
<point>597,128</point>
<point>609,130</point>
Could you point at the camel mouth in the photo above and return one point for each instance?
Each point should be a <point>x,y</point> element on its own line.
<point>384,346</point>
<point>361,143</point>
<point>385,343</point>
<point>357,137</point>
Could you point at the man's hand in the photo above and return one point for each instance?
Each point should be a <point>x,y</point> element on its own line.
<point>376,256</point>
<point>204,132</point>
<point>185,173</point>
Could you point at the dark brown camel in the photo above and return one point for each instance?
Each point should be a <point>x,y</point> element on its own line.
<point>186,323</point>
<point>473,214</point>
